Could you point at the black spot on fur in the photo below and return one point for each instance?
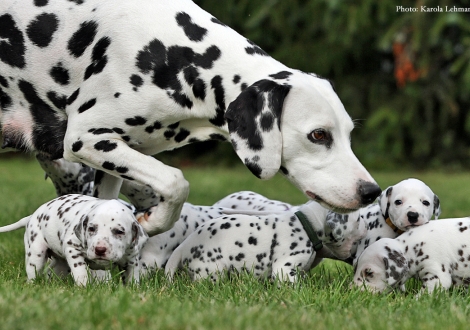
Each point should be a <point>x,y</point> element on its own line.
<point>216,84</point>
<point>136,80</point>
<point>40,3</point>
<point>49,129</point>
<point>193,31</point>
<point>236,79</point>
<point>165,65</point>
<point>108,166</point>
<point>73,97</point>
<point>156,125</point>
<point>253,167</point>
<point>254,49</point>
<point>41,30</point>
<point>182,134</point>
<point>252,240</point>
<point>59,101</point>
<point>105,146</point>
<point>216,21</point>
<point>76,146</point>
<point>12,47</point>
<point>82,38</point>
<point>100,131</point>
<point>191,75</point>
<point>136,121</point>
<point>281,75</point>
<point>87,105</point>
<point>60,74</point>
<point>174,125</point>
<point>98,57</point>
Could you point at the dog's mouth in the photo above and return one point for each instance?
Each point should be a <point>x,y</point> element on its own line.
<point>332,207</point>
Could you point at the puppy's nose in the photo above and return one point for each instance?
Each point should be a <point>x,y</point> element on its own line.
<point>368,192</point>
<point>100,250</point>
<point>412,217</point>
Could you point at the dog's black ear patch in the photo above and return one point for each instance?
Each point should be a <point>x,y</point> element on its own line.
<point>253,120</point>
<point>437,207</point>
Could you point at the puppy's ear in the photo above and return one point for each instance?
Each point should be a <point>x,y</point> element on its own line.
<point>254,124</point>
<point>139,237</point>
<point>80,229</point>
<point>437,207</point>
<point>398,270</point>
<point>384,201</point>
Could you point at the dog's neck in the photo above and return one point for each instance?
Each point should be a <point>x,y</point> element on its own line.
<point>395,228</point>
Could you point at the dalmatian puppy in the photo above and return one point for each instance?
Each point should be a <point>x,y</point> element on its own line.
<point>77,231</point>
<point>281,245</point>
<point>436,253</point>
<point>107,83</point>
<point>159,248</point>
<point>401,207</point>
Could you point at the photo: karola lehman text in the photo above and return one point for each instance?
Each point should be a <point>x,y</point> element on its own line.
<point>437,9</point>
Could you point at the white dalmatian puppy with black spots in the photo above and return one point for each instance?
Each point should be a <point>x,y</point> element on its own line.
<point>159,248</point>
<point>408,204</point>
<point>107,83</point>
<point>437,253</point>
<point>280,245</point>
<point>77,231</point>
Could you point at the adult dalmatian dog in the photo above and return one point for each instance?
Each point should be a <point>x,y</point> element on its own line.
<point>108,83</point>
<point>403,206</point>
<point>76,231</point>
<point>437,253</point>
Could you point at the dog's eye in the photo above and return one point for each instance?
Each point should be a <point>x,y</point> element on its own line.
<point>426,203</point>
<point>91,229</point>
<point>398,202</point>
<point>118,232</point>
<point>320,136</point>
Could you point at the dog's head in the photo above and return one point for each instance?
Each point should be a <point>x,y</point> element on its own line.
<point>409,203</point>
<point>382,266</point>
<point>298,125</point>
<point>109,232</point>
<point>342,232</point>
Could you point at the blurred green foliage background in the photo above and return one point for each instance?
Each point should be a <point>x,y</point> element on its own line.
<point>403,77</point>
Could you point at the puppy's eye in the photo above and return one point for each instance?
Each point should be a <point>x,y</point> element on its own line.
<point>426,203</point>
<point>398,202</point>
<point>368,272</point>
<point>118,232</point>
<point>91,229</point>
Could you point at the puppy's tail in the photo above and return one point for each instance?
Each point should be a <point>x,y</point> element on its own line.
<point>173,263</point>
<point>14,226</point>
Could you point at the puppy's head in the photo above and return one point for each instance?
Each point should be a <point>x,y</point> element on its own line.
<point>342,232</point>
<point>109,233</point>
<point>409,203</point>
<point>382,266</point>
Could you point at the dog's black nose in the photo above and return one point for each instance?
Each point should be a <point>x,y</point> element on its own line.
<point>412,217</point>
<point>368,191</point>
<point>100,250</point>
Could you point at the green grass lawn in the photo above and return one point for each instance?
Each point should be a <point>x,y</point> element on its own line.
<point>323,300</point>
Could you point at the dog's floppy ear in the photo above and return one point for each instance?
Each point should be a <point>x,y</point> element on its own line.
<point>254,121</point>
<point>80,229</point>
<point>437,207</point>
<point>139,237</point>
<point>384,201</point>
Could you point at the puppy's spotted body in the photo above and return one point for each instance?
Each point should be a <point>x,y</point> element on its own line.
<point>77,231</point>
<point>108,83</point>
<point>273,246</point>
<point>437,253</point>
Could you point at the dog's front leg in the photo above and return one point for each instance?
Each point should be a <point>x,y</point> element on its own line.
<point>78,267</point>
<point>115,157</point>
